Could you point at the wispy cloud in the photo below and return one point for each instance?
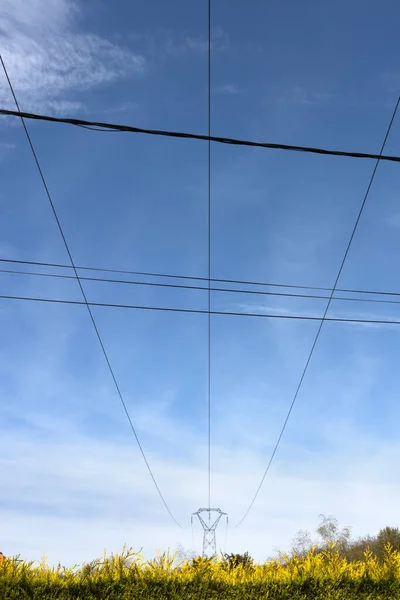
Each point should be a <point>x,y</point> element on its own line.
<point>219,42</point>
<point>5,150</point>
<point>61,475</point>
<point>393,220</point>
<point>305,97</point>
<point>59,485</point>
<point>313,308</point>
<point>64,107</point>
<point>228,88</point>
<point>118,108</point>
<point>220,39</point>
<point>198,44</point>
<point>49,56</point>
<point>243,307</point>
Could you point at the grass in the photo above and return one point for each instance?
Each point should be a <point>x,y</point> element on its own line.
<point>127,575</point>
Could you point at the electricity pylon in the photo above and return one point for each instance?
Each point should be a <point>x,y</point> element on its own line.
<point>209,526</point>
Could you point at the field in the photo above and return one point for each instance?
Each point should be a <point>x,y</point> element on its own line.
<point>128,576</point>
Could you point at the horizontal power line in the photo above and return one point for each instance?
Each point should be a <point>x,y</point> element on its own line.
<point>201,312</point>
<point>197,278</point>
<point>197,288</point>
<point>99,126</point>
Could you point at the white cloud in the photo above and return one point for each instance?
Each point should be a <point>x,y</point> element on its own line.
<point>64,107</point>
<point>5,150</point>
<point>301,95</point>
<point>219,41</point>
<point>252,308</point>
<point>360,319</point>
<point>393,220</point>
<point>123,107</point>
<point>198,44</point>
<point>57,488</point>
<point>60,479</point>
<point>229,88</point>
<point>48,57</point>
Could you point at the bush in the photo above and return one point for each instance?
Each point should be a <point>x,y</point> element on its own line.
<point>232,561</point>
<point>315,575</point>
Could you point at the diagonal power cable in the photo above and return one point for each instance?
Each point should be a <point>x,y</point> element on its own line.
<point>98,126</point>
<point>85,298</point>
<point>196,311</point>
<point>213,289</point>
<point>194,278</point>
<point>324,315</point>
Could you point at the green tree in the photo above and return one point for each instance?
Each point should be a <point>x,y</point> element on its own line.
<point>356,549</point>
<point>387,535</point>
<point>231,561</point>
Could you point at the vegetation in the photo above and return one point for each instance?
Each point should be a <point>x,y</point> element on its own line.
<point>232,561</point>
<point>353,550</point>
<point>334,568</point>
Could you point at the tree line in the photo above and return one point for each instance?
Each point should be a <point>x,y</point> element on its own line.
<point>330,533</point>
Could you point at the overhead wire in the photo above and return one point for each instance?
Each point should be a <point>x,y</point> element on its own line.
<point>201,311</point>
<point>324,315</point>
<point>85,298</point>
<point>98,129</point>
<point>95,125</point>
<point>205,289</point>
<point>196,278</point>
<point>209,250</point>
<point>108,127</point>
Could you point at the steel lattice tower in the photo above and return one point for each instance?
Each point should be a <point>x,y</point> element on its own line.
<point>209,526</point>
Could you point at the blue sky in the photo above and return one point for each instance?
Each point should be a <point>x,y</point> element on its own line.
<point>318,74</point>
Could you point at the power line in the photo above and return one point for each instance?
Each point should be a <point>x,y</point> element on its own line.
<point>324,315</point>
<point>98,129</point>
<point>205,289</point>
<point>200,311</point>
<point>194,136</point>
<point>84,296</point>
<point>106,127</point>
<point>196,278</point>
<point>209,248</point>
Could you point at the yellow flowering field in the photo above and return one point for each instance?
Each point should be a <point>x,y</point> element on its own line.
<point>317,575</point>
